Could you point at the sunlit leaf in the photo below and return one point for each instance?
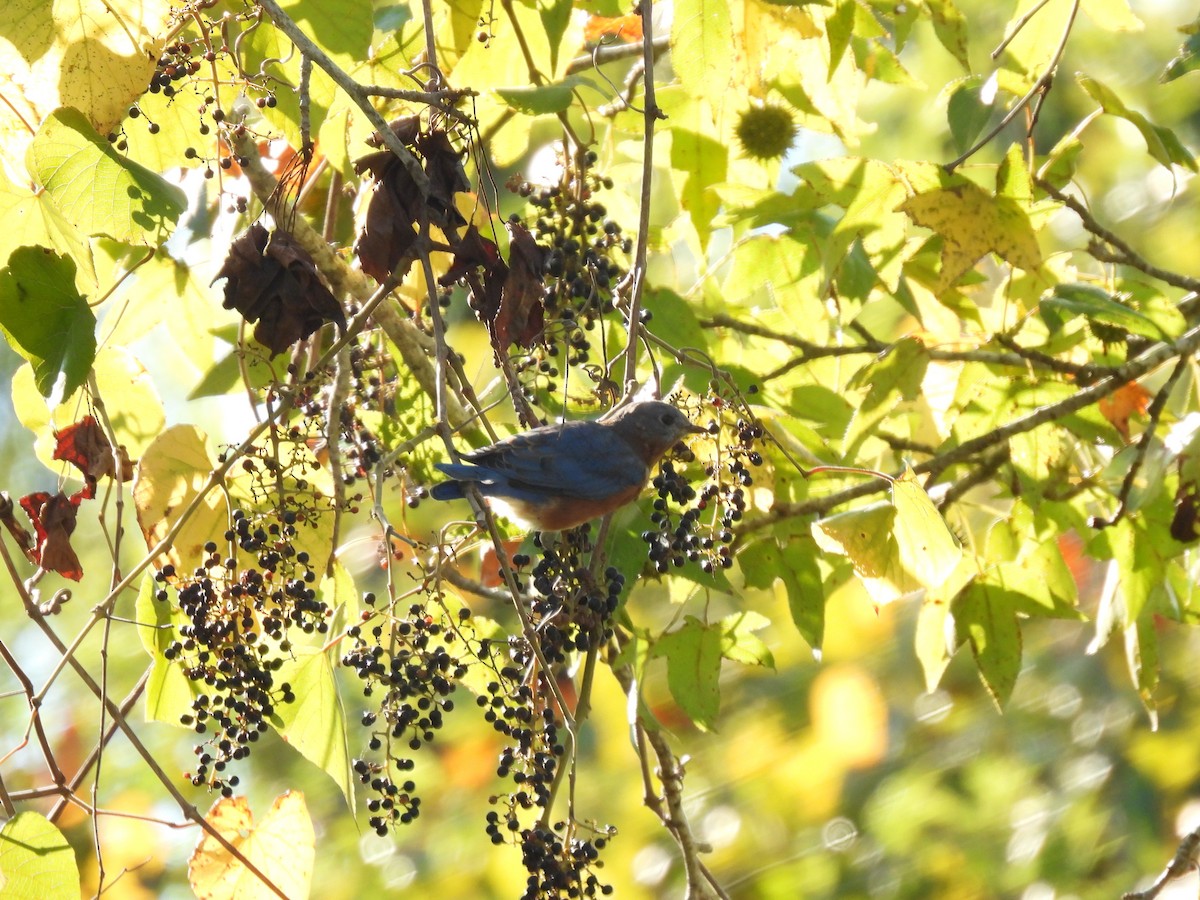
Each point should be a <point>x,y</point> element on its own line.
<point>1113,15</point>
<point>950,26</point>
<point>1162,143</point>
<point>972,223</point>
<point>315,723</point>
<point>96,188</point>
<point>282,846</point>
<point>167,482</point>
<point>36,861</point>
<point>927,547</point>
<point>701,35</point>
<point>96,55</point>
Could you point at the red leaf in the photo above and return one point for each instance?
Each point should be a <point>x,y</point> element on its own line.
<point>86,446</point>
<point>53,518</point>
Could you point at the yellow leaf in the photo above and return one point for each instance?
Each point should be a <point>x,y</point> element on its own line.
<point>866,537</point>
<point>972,223</point>
<point>95,55</point>
<point>927,547</point>
<point>282,846</point>
<point>167,480</point>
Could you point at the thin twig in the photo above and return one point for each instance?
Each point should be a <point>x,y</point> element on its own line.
<point>1187,858</point>
<point>1125,254</point>
<point>636,280</point>
<point>1042,84</point>
<point>1130,371</point>
<point>1145,439</point>
<point>352,88</point>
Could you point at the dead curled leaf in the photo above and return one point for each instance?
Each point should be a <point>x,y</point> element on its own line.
<point>272,280</point>
<point>398,210</point>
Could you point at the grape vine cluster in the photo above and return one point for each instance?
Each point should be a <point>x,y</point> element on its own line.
<point>409,669</point>
<point>561,860</point>
<point>238,635</point>
<point>572,608</point>
<point>586,255</point>
<point>693,526</point>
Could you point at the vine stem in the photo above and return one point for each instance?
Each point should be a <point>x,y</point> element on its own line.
<point>651,114</point>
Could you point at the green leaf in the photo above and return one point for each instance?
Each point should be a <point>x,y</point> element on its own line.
<point>693,654</point>
<point>556,17</point>
<point>96,188</point>
<point>1186,60</point>
<point>342,28</point>
<point>1059,167</point>
<point>967,113</point>
<point>1162,143</point>
<point>740,644</point>
<point>169,693</point>
<point>1067,301</point>
<point>315,724</point>
<point>983,617</point>
<point>705,161</point>
<point>894,376</point>
<point>702,48</point>
<point>794,563</point>
<point>32,220</point>
<point>543,99</point>
<point>46,320</point>
<point>839,27</point>
<point>36,862</point>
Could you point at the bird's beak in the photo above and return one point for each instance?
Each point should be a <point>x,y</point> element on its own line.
<point>697,429</point>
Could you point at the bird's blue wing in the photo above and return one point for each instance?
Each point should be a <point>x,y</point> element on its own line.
<point>580,459</point>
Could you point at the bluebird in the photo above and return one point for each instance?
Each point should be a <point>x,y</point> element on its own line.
<point>559,476</point>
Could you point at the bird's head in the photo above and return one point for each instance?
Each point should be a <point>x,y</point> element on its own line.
<point>651,427</point>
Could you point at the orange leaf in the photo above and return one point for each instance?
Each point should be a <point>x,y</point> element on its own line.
<point>624,28</point>
<point>1124,402</point>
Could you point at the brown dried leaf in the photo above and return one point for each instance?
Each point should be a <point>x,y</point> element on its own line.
<point>86,446</point>
<point>521,317</point>
<point>54,518</point>
<point>273,281</point>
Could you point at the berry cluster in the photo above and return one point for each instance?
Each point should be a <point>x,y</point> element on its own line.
<point>572,608</point>
<point>702,532</point>
<point>407,667</point>
<point>560,862</point>
<point>237,638</point>
<point>560,868</point>
<point>586,256</point>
